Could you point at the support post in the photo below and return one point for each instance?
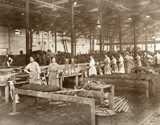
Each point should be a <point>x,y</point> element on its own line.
<point>146,48</point>
<point>134,37</point>
<point>93,113</point>
<point>55,38</point>
<point>101,23</point>
<point>14,105</point>
<point>120,34</point>
<point>9,39</point>
<point>73,40</point>
<point>0,91</point>
<point>154,45</point>
<point>90,41</point>
<point>93,42</point>
<point>6,93</point>
<point>28,33</point>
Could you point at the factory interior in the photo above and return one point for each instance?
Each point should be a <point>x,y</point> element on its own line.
<point>79,62</point>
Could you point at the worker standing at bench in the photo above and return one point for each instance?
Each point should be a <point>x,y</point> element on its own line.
<point>34,71</point>
<point>92,67</point>
<point>107,65</point>
<point>53,73</point>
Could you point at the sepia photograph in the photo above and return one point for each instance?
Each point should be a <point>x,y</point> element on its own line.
<point>79,62</point>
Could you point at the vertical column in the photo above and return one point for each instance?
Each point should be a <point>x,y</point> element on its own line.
<point>154,45</point>
<point>90,40</point>
<point>120,34</point>
<point>55,38</point>
<point>93,113</point>
<point>9,40</point>
<point>6,93</point>
<point>146,48</point>
<point>107,38</point>
<point>101,23</point>
<point>93,42</point>
<point>73,40</point>
<point>134,37</point>
<point>28,33</point>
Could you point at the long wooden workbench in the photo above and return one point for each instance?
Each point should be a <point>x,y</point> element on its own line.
<point>57,97</point>
<point>131,81</point>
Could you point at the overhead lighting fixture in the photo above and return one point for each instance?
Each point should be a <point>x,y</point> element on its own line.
<point>148,16</point>
<point>22,14</point>
<point>153,37</point>
<point>75,4</point>
<point>98,24</point>
<point>130,19</point>
<point>17,32</point>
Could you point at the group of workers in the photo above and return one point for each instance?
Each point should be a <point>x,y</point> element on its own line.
<point>34,71</point>
<point>111,64</point>
<point>121,64</point>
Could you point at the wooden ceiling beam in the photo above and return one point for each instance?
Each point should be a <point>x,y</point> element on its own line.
<point>61,2</point>
<point>49,5</point>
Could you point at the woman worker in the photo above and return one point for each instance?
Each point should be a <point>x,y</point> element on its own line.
<point>92,67</point>
<point>53,70</point>
<point>121,64</point>
<point>107,65</point>
<point>138,61</point>
<point>114,65</point>
<point>34,71</point>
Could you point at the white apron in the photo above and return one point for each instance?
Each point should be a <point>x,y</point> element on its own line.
<point>92,68</point>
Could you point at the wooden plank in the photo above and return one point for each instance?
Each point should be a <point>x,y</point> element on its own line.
<point>128,76</point>
<point>50,95</point>
<point>21,82</point>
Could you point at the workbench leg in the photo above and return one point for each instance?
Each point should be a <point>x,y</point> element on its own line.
<point>152,88</point>
<point>82,77</point>
<point>93,113</point>
<point>6,93</point>
<point>113,90</point>
<point>76,81</point>
<point>14,105</point>
<point>61,83</point>
<point>147,90</point>
<point>111,97</point>
<point>0,91</point>
<point>102,96</point>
